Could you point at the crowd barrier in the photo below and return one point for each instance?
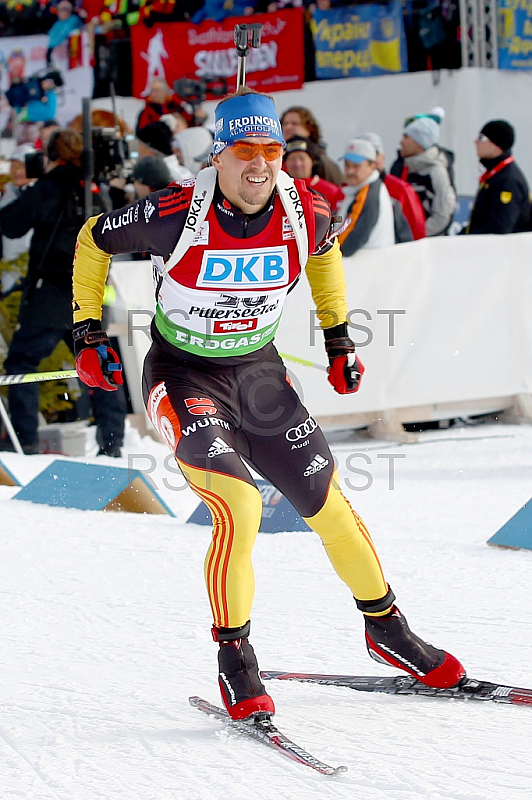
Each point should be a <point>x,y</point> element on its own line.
<point>442,325</point>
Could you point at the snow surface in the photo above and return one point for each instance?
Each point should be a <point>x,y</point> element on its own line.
<point>104,633</point>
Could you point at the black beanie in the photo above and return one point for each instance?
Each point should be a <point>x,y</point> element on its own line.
<point>158,136</point>
<point>301,144</point>
<point>151,171</point>
<point>500,133</point>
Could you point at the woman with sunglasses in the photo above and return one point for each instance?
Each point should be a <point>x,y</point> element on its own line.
<point>226,250</point>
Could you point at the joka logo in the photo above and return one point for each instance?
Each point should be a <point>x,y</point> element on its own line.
<point>235,325</point>
<point>267,266</point>
<point>316,465</point>
<point>218,447</point>
<point>199,406</point>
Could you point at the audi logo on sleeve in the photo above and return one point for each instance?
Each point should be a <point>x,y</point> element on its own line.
<point>301,431</point>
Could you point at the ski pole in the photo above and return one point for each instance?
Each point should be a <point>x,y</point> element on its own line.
<point>302,361</point>
<point>37,377</point>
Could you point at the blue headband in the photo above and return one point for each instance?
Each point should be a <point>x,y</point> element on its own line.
<point>248,115</point>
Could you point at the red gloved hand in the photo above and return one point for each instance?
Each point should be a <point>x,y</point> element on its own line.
<point>97,364</point>
<point>345,368</point>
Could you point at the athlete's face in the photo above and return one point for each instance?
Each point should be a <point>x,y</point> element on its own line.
<point>247,184</point>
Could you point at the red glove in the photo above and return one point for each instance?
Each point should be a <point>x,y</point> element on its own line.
<point>97,364</point>
<point>345,368</point>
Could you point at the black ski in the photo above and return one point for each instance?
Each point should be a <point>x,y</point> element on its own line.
<point>263,730</point>
<point>468,689</point>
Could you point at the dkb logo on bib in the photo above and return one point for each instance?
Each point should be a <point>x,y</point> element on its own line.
<point>267,266</point>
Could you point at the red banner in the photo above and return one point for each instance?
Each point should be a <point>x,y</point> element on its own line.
<point>176,50</point>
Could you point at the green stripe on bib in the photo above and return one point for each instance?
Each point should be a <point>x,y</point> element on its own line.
<point>235,339</point>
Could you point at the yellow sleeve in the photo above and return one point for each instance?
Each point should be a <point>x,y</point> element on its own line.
<point>91,266</point>
<point>325,274</point>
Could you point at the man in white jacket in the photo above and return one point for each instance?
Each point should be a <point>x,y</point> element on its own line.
<point>366,210</point>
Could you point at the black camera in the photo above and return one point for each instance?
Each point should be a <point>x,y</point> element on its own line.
<point>111,157</point>
<point>22,90</point>
<point>35,166</point>
<point>195,91</point>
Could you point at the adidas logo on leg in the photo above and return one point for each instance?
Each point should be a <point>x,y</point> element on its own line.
<point>318,463</point>
<point>218,447</point>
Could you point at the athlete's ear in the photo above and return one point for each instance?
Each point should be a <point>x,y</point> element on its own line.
<point>215,162</point>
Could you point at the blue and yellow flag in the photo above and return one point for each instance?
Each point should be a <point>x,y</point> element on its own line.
<point>358,41</point>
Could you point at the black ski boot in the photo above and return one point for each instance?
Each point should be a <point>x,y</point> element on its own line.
<point>390,641</point>
<point>242,690</point>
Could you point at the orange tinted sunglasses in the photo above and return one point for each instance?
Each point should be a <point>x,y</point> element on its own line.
<point>247,151</point>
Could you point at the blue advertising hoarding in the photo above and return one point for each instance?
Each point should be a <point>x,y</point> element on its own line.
<point>515,34</point>
<point>359,41</point>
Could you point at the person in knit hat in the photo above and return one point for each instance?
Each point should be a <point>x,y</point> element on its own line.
<point>300,161</point>
<point>502,203</point>
<point>155,139</point>
<point>425,167</point>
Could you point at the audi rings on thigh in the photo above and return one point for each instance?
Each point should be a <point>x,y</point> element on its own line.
<point>301,431</point>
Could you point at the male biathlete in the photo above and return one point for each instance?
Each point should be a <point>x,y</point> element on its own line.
<point>226,250</point>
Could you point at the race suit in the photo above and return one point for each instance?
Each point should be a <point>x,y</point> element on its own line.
<point>214,385</point>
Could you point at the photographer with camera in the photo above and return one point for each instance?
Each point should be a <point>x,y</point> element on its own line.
<point>53,207</point>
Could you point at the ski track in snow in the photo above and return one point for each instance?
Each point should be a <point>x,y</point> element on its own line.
<point>105,632</point>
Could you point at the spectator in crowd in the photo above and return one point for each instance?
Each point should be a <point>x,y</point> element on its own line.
<point>160,101</point>
<point>401,193</point>
<point>45,131</point>
<point>502,202</point>
<point>300,161</point>
<point>44,107</point>
<point>175,121</point>
<point>156,140</point>
<point>299,121</point>
<point>278,5</point>
<point>427,172</point>
<point>154,11</point>
<point>24,17</point>
<point>53,208</point>
<point>367,208</point>
<point>192,148</point>
<point>150,174</point>
<point>67,22</point>
<point>400,170</point>
<point>218,10</point>
<point>13,248</point>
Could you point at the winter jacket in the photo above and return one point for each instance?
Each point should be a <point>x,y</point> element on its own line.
<point>53,207</point>
<point>502,203</point>
<point>13,248</point>
<point>332,193</point>
<point>368,216</point>
<point>429,176</point>
<point>410,204</point>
